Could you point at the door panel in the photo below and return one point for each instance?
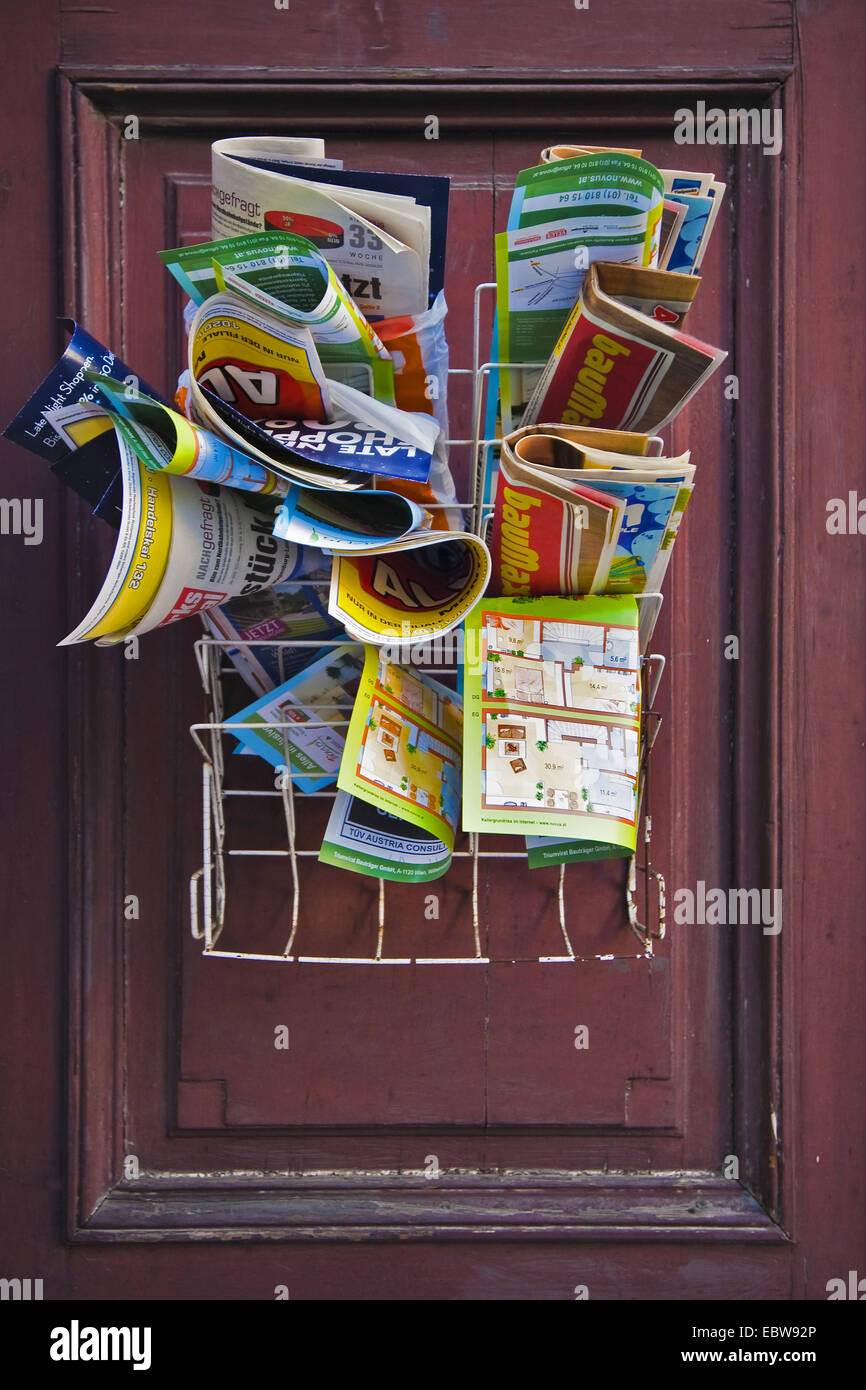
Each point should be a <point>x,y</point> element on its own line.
<point>720,1044</point>
<point>478,1050</point>
<point>464,1046</point>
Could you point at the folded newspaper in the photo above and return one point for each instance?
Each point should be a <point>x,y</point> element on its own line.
<point>289,277</point>
<point>182,547</point>
<point>575,518</point>
<point>418,590</point>
<point>616,366</point>
<point>384,234</point>
<point>272,634</point>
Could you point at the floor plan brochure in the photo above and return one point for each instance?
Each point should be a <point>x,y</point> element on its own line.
<point>552,718</point>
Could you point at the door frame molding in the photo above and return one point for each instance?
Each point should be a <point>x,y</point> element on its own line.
<point>514,1205</point>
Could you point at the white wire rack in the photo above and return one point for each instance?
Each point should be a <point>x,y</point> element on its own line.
<point>208,885</point>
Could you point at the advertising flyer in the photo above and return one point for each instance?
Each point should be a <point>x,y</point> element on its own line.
<point>403,748</point>
<point>368,840</point>
<point>552,699</point>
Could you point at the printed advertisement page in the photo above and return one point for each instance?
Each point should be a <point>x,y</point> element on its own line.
<point>288,276</point>
<point>403,747</point>
<point>403,596</point>
<point>166,441</point>
<point>616,368</point>
<point>321,695</point>
<point>369,840</point>
<point>565,215</point>
<point>552,699</point>
<point>385,273</point>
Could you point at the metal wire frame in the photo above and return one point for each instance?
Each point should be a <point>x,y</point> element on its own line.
<point>208,883</point>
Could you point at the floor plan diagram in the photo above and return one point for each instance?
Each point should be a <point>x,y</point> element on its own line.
<point>559,715</point>
<point>560,764</point>
<point>410,746</point>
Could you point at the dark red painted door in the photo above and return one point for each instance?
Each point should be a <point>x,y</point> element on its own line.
<point>688,1149</point>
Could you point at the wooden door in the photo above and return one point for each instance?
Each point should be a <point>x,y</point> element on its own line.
<point>607,1166</point>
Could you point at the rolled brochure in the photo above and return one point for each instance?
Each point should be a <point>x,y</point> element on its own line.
<point>420,588</point>
<point>182,547</point>
<point>287,276</point>
<point>351,522</point>
<point>164,440</point>
<point>616,367</point>
<point>256,363</point>
<point>578,511</point>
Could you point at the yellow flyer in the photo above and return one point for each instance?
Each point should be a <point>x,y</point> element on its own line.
<point>140,558</point>
<point>402,750</point>
<point>408,594</point>
<point>255,363</point>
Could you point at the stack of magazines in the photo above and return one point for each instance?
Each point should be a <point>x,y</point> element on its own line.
<point>295,490</point>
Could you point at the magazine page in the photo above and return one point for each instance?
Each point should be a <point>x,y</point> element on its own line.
<point>164,440</point>
<point>368,840</point>
<point>624,441</point>
<point>259,629</point>
<point>222,546</point>
<point>365,434</point>
<point>608,206</point>
<point>693,234</point>
<point>424,589</point>
<point>616,368</point>
<point>288,276</point>
<point>92,470</point>
<point>700,198</point>
<point>385,273</point>
<point>403,748</point>
<point>66,385</point>
<point>256,361</point>
<point>322,694</point>
<point>552,702</point>
<point>426,190</point>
